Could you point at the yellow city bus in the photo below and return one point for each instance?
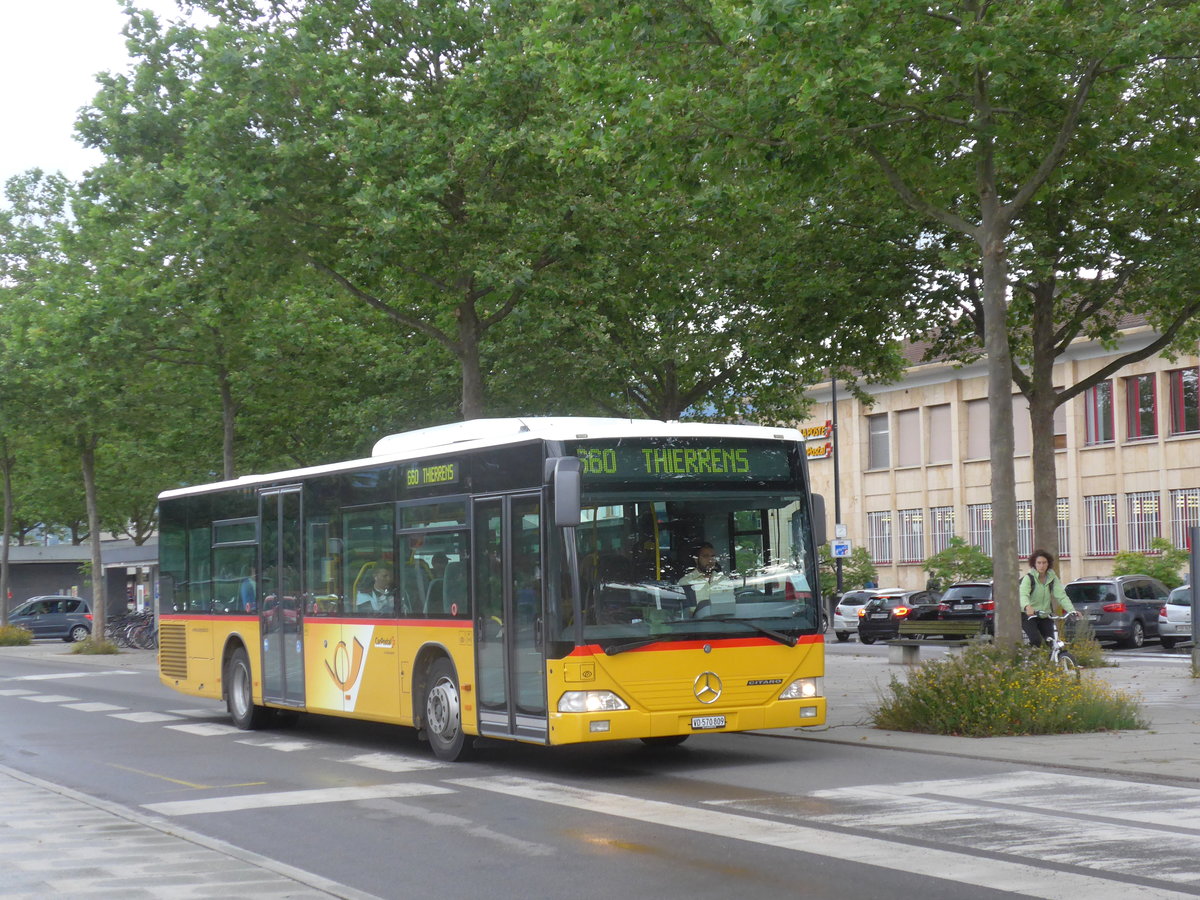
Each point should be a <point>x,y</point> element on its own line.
<point>523,579</point>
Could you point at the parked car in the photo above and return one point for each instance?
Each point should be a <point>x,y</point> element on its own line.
<point>1121,608</point>
<point>968,600</point>
<point>879,618</point>
<point>1175,618</point>
<point>69,618</point>
<point>845,614</point>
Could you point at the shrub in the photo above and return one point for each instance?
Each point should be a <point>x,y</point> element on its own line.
<point>960,561</point>
<point>91,646</point>
<point>14,636</point>
<point>1083,646</point>
<point>990,690</point>
<point>1162,562</point>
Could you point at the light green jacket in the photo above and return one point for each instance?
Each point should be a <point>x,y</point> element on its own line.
<point>1042,594</point>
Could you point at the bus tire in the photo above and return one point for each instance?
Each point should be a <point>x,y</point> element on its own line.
<point>443,713</point>
<point>239,693</point>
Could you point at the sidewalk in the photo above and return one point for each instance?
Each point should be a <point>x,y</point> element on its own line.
<point>1168,695</point>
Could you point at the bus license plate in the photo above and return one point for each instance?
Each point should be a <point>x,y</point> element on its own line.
<point>700,723</point>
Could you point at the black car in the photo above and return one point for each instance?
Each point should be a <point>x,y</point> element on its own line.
<point>968,601</point>
<point>879,618</point>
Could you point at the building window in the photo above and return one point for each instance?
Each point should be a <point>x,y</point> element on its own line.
<point>878,450</point>
<point>1064,528</point>
<point>908,438</point>
<point>1022,426</point>
<point>1145,519</point>
<point>939,437</point>
<point>979,526</point>
<point>979,430</point>
<point>1185,514</point>
<point>1185,400</point>
<point>941,528</point>
<point>1024,528</point>
<point>911,526</point>
<point>1100,524</point>
<point>1141,407</point>
<point>879,536</point>
<point>1098,413</point>
<point>1060,426</point>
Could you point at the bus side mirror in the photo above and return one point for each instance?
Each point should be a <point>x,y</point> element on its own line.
<point>563,475</point>
<point>818,521</point>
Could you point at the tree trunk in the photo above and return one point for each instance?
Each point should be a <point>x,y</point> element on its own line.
<point>1004,501</point>
<point>469,334</point>
<point>87,458</point>
<point>228,422</point>
<point>6,464</point>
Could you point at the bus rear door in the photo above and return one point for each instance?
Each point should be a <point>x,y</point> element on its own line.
<point>279,605</point>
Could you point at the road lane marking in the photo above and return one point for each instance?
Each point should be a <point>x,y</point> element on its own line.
<point>145,717</point>
<point>294,798</point>
<point>94,707</point>
<point>389,762</point>
<point>199,713</point>
<point>207,729</point>
<point>50,698</point>
<point>931,862</point>
<point>282,745</point>
<point>14,692</point>
<point>57,675</point>
<point>190,784</point>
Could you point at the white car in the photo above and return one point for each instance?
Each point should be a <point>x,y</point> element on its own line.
<point>1175,618</point>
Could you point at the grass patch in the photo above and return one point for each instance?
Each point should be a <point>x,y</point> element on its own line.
<point>987,691</point>
<point>14,636</point>
<point>91,647</point>
<point>1082,644</point>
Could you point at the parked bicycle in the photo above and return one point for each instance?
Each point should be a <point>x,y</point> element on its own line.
<point>136,630</point>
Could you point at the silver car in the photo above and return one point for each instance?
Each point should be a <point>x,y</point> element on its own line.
<point>1175,618</point>
<point>845,614</point>
<point>69,618</point>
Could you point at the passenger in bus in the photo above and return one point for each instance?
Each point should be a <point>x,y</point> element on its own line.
<point>707,581</point>
<point>248,593</point>
<point>379,597</point>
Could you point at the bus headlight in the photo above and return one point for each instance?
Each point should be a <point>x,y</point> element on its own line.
<point>804,689</point>
<point>590,701</point>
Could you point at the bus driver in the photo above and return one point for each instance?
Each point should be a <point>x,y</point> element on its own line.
<point>707,580</point>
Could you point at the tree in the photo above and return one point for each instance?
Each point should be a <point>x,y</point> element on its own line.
<point>1162,562</point>
<point>960,561</point>
<point>857,570</point>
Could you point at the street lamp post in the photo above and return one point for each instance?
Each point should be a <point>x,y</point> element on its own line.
<point>837,481</point>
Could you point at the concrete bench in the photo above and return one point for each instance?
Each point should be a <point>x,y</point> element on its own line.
<point>906,649</point>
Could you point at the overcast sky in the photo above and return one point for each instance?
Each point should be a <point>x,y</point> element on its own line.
<point>50,52</point>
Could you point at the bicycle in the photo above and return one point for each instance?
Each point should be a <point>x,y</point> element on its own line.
<point>1060,657</point>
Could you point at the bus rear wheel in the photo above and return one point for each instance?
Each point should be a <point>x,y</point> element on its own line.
<point>443,714</point>
<point>239,693</point>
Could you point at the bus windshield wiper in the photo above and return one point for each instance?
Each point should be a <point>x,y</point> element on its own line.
<point>614,649</point>
<point>762,629</point>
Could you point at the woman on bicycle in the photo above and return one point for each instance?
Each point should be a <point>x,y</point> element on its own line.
<point>1040,590</point>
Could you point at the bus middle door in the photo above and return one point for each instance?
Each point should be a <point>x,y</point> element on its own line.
<point>510,654</point>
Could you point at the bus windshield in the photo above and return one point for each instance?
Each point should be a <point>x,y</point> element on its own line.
<point>695,566</point>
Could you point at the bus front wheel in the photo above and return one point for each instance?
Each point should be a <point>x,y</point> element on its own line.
<point>239,693</point>
<point>443,714</point>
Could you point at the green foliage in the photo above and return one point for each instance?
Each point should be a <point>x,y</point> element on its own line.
<point>91,646</point>
<point>992,690</point>
<point>14,636</point>
<point>857,570</point>
<point>960,561</point>
<point>1083,646</point>
<point>1164,562</point>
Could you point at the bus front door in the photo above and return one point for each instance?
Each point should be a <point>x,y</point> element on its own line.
<point>280,610</point>
<point>510,657</point>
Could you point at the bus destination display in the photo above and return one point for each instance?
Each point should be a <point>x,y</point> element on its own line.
<point>434,473</point>
<point>678,461</point>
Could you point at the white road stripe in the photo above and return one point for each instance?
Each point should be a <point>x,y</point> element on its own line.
<point>145,717</point>
<point>94,707</point>
<point>207,729</point>
<point>58,675</point>
<point>931,862</point>
<point>294,798</point>
<point>390,762</point>
<point>50,698</point>
<point>14,692</point>
<point>283,746</point>
<point>216,713</point>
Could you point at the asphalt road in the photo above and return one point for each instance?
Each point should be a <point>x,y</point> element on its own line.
<point>366,806</point>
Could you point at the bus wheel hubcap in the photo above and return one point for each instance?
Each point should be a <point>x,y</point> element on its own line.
<point>443,709</point>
